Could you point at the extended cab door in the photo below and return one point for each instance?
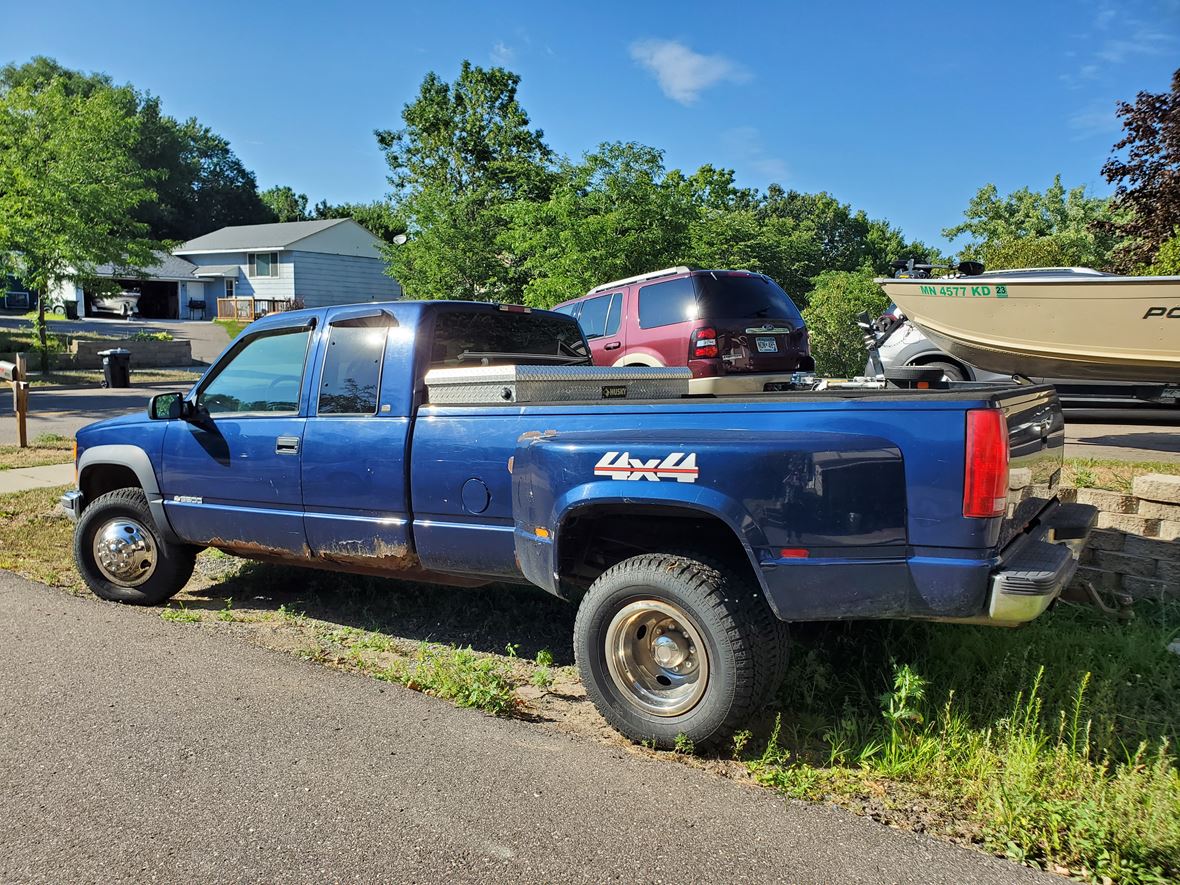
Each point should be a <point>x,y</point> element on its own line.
<point>230,476</point>
<point>354,489</point>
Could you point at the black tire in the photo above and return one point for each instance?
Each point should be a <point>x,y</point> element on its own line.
<point>950,371</point>
<point>173,562</point>
<point>744,647</point>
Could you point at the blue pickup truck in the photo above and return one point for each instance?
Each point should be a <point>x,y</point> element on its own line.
<point>689,529</point>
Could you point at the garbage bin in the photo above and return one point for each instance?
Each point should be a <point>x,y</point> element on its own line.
<point>116,367</point>
<point>71,310</point>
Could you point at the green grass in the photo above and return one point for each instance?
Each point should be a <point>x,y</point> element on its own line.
<point>183,378</point>
<point>46,449</point>
<point>1115,476</point>
<point>233,327</point>
<point>1052,745</point>
<point>49,315</point>
<point>36,541</point>
<point>180,614</point>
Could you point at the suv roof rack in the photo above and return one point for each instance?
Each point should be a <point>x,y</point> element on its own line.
<point>642,278</point>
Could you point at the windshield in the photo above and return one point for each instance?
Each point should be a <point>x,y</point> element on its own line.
<point>501,338</point>
<point>743,297</point>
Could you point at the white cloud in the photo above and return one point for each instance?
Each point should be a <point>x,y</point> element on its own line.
<point>502,53</point>
<point>745,142</point>
<point>682,73</point>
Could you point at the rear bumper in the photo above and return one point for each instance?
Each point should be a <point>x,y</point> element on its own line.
<point>742,383</point>
<point>1040,566</point>
<point>73,503</point>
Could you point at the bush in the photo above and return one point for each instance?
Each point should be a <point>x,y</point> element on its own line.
<point>832,306</point>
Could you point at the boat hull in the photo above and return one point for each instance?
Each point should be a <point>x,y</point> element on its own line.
<point>1107,328</point>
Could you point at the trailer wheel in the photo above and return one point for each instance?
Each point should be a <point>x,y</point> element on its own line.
<point>671,648</point>
<point>121,555</point>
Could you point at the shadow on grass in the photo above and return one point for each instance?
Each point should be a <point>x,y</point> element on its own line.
<point>486,618</point>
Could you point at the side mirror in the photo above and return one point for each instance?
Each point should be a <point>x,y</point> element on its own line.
<point>165,406</point>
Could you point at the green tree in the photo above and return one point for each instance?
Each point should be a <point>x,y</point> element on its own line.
<point>835,300</point>
<point>612,215</point>
<point>285,204</point>
<point>1074,224</point>
<point>1147,175</point>
<point>378,217</point>
<point>68,184</point>
<point>1167,259</point>
<point>199,183</point>
<point>465,153</point>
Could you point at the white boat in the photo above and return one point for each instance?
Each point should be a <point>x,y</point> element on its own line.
<point>1056,322</point>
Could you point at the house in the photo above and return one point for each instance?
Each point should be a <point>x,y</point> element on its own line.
<point>318,263</point>
<point>165,288</point>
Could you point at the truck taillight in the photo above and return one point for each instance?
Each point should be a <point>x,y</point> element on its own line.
<point>704,343</point>
<point>985,479</point>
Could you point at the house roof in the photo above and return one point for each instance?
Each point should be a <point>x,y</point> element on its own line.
<point>257,237</point>
<point>167,267</point>
<point>216,270</point>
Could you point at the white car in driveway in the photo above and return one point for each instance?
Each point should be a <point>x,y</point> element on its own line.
<point>124,303</point>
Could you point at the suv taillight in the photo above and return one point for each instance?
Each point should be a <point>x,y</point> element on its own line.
<point>704,343</point>
<point>985,479</point>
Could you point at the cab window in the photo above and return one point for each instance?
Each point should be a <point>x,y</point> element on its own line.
<point>352,368</point>
<point>264,376</point>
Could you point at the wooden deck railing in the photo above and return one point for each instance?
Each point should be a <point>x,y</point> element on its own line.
<point>249,309</point>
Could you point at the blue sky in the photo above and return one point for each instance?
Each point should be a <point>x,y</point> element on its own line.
<point>903,109</point>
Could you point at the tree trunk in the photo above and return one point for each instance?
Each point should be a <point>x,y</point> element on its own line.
<point>44,339</point>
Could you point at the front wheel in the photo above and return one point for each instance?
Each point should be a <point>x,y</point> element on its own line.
<point>670,648</point>
<point>122,556</point>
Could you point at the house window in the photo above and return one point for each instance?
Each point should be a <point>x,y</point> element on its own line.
<point>264,264</point>
<point>229,288</point>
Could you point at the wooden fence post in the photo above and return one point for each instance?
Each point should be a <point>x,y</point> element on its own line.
<point>20,398</point>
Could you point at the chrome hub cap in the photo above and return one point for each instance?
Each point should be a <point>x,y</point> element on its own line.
<point>124,552</point>
<point>656,657</point>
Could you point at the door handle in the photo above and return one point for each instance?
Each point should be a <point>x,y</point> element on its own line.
<point>287,445</point>
<point>614,345</point>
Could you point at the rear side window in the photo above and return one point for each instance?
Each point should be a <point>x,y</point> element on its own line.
<point>501,338</point>
<point>600,315</point>
<point>567,309</point>
<point>662,304</point>
<point>744,297</point>
<point>352,368</point>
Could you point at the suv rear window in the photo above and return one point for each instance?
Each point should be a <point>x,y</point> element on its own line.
<point>662,304</point>
<point>743,297</point>
<point>464,338</point>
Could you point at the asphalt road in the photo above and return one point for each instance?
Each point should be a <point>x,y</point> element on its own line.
<point>134,749</point>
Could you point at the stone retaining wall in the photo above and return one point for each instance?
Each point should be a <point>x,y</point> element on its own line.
<point>1136,545</point>
<point>83,354</point>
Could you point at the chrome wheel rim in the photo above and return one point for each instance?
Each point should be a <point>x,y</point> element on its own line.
<point>124,552</point>
<point>656,657</point>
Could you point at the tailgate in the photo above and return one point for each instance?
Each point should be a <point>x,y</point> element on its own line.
<point>1036,441</point>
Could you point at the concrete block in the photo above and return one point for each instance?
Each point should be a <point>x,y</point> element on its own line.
<point>1157,487</point>
<point>1169,530</point>
<point>1101,580</point>
<point>1145,588</point>
<point>1067,494</point>
<point>1168,572</point>
<point>1152,548</point>
<point>1111,502</point>
<point>1105,539</point>
<point>1130,523</point>
<point>1122,564</point>
<point>1158,510</point>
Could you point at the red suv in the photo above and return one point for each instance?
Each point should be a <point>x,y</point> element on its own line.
<point>716,322</point>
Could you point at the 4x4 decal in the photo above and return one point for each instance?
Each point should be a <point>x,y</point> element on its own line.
<point>677,466</point>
